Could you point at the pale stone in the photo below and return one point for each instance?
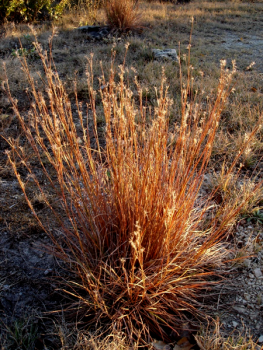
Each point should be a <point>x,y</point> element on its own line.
<point>257,272</point>
<point>169,54</point>
<point>240,310</point>
<point>260,339</point>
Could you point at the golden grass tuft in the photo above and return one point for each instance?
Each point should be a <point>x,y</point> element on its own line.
<point>130,212</point>
<point>213,339</point>
<point>122,15</point>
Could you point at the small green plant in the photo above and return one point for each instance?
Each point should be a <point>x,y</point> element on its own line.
<point>27,37</point>
<point>22,334</point>
<point>30,10</point>
<point>256,217</point>
<point>23,52</point>
<point>29,51</point>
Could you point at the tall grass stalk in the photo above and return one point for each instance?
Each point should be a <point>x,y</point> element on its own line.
<point>132,236</point>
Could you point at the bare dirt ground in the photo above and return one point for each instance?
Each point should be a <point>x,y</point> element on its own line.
<point>230,31</point>
<point>235,37</point>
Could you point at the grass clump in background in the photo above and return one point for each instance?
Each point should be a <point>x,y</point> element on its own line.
<point>129,208</point>
<point>122,15</point>
<point>213,339</point>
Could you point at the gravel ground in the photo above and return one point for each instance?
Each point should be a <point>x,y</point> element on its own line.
<point>245,303</point>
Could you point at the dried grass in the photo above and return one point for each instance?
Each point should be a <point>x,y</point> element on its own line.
<point>132,237</point>
<point>122,15</point>
<point>215,340</point>
<point>79,340</point>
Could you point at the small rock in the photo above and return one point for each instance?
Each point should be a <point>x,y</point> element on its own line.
<point>257,272</point>
<point>169,54</point>
<point>47,272</point>
<point>240,310</point>
<point>235,324</point>
<point>247,263</point>
<point>95,32</point>
<point>160,345</point>
<point>88,29</point>
<point>103,87</point>
<point>177,347</point>
<point>254,316</point>
<point>260,339</point>
<point>246,296</point>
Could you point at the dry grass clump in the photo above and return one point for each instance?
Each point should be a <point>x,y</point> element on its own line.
<point>89,342</point>
<point>122,15</point>
<point>79,340</point>
<point>230,190</point>
<point>215,340</point>
<point>130,215</point>
<point>80,12</point>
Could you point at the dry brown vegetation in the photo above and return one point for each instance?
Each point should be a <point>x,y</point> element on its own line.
<point>122,15</point>
<point>122,175</point>
<point>133,232</point>
<point>215,340</point>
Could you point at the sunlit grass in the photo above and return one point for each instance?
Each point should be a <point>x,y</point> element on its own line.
<point>132,237</point>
